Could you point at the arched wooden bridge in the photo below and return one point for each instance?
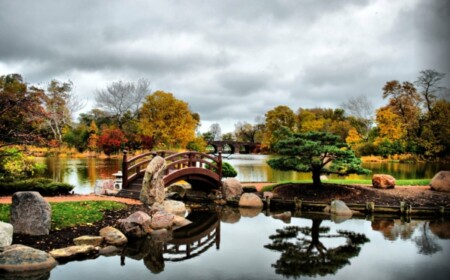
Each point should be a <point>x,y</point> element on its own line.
<point>197,168</point>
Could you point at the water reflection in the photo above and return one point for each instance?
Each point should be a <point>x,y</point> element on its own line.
<point>425,234</point>
<point>306,255</point>
<point>184,243</point>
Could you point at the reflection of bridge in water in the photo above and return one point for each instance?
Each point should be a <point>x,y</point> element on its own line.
<point>184,243</point>
<point>192,240</point>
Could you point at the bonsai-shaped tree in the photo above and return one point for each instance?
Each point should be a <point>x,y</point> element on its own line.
<point>316,152</point>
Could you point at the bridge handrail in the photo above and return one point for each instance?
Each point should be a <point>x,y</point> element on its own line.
<point>132,167</point>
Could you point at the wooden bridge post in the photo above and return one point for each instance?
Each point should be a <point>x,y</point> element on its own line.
<point>219,166</point>
<point>124,169</point>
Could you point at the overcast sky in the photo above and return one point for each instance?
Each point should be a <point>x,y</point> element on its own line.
<point>230,60</point>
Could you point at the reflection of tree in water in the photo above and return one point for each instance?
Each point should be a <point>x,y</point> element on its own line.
<point>309,257</point>
<point>426,242</point>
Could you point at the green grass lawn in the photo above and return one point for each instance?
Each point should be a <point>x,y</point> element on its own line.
<point>412,182</point>
<point>70,214</point>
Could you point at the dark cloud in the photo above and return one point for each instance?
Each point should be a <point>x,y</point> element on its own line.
<point>230,60</point>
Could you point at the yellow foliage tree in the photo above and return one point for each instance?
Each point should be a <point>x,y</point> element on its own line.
<point>390,125</point>
<point>169,121</point>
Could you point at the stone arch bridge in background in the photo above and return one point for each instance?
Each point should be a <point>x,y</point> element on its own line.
<point>235,147</point>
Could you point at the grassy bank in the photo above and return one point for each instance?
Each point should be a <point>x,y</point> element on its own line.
<point>70,214</point>
<point>409,182</point>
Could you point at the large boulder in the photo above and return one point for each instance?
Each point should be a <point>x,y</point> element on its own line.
<point>441,181</point>
<point>250,200</point>
<point>6,234</point>
<point>30,214</point>
<point>113,236</point>
<point>20,258</point>
<point>231,188</point>
<point>383,181</point>
<point>136,225</point>
<point>153,184</point>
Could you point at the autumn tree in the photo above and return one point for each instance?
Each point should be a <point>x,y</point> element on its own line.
<point>316,152</point>
<point>111,140</point>
<point>123,99</point>
<point>167,120</point>
<point>21,111</point>
<point>280,116</point>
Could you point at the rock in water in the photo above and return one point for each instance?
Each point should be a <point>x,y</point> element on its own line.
<point>338,207</point>
<point>20,258</point>
<point>136,225</point>
<point>250,200</point>
<point>231,188</point>
<point>153,185</point>
<point>113,236</point>
<point>30,214</point>
<point>441,181</point>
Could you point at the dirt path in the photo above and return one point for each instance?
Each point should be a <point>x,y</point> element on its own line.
<point>68,198</point>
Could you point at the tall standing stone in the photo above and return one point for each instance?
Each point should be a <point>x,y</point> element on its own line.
<point>153,184</point>
<point>30,214</point>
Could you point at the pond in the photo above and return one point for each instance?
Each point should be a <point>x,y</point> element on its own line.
<point>83,172</point>
<point>244,244</point>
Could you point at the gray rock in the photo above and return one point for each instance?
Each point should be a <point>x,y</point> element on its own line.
<point>78,252</point>
<point>178,188</point>
<point>153,184</point>
<point>136,225</point>
<point>6,234</point>
<point>113,236</point>
<point>88,240</point>
<point>339,208</point>
<point>30,214</point>
<point>250,200</point>
<point>231,188</point>
<point>20,258</point>
<point>441,181</point>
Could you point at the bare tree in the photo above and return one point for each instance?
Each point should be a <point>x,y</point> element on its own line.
<point>216,131</point>
<point>121,98</point>
<point>361,113</point>
<point>428,85</point>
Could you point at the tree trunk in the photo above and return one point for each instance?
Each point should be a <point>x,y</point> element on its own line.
<point>316,177</point>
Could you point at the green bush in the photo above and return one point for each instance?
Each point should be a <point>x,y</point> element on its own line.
<point>44,186</point>
<point>228,170</point>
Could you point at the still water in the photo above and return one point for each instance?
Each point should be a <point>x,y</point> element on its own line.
<point>244,244</point>
<point>84,172</point>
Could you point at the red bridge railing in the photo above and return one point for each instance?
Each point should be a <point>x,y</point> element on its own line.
<point>177,165</point>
